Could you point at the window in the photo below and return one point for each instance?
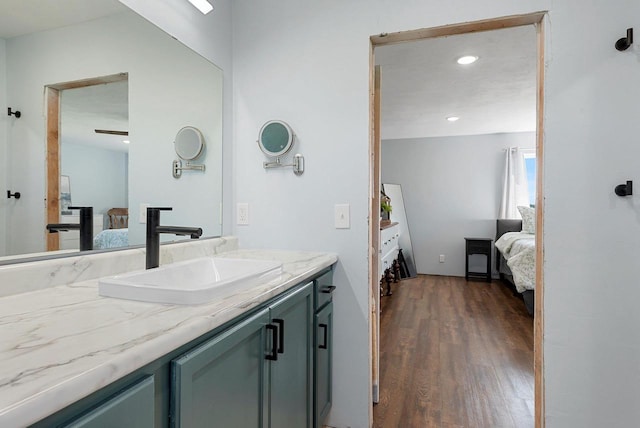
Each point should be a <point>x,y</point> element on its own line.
<point>530,164</point>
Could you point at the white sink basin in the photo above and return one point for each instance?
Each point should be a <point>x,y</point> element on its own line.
<point>190,282</point>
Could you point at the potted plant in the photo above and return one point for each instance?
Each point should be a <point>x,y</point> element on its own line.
<point>385,210</point>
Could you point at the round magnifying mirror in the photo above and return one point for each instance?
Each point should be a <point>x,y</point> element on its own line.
<point>189,143</point>
<point>275,138</point>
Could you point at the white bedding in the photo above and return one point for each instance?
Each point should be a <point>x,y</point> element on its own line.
<point>519,249</point>
<point>111,238</point>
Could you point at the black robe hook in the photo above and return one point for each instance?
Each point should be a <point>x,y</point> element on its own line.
<point>16,113</point>
<point>624,189</point>
<point>624,43</point>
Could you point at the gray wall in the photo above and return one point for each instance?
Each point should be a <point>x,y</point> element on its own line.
<point>451,188</point>
<point>98,177</point>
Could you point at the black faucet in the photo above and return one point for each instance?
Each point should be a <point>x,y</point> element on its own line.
<point>154,230</point>
<point>85,227</point>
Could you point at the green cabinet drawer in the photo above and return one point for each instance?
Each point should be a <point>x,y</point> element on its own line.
<point>323,364</point>
<point>323,289</point>
<point>291,374</point>
<point>132,407</point>
<point>221,382</point>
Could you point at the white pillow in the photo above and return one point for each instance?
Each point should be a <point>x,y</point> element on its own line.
<point>528,219</point>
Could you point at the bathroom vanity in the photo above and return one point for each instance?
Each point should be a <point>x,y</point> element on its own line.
<point>261,357</point>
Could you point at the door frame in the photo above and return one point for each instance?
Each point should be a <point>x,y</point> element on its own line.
<point>52,176</point>
<point>538,20</point>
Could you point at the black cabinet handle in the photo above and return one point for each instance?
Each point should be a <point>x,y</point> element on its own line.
<point>274,343</point>
<point>280,322</point>
<point>328,289</point>
<point>324,336</point>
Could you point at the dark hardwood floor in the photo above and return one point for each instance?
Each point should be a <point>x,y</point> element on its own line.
<point>454,354</point>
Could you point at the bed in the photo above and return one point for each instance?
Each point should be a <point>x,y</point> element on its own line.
<point>515,259</point>
<point>111,238</point>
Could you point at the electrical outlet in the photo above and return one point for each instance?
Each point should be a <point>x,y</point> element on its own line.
<point>441,258</point>
<point>142,217</point>
<point>341,216</point>
<point>242,214</point>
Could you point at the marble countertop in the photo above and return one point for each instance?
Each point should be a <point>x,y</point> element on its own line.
<point>62,343</point>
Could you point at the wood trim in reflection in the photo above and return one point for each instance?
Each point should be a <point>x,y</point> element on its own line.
<point>53,166</point>
<point>90,82</point>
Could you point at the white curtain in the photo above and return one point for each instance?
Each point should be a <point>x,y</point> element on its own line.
<point>514,184</point>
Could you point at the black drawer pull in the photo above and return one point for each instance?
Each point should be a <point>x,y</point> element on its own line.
<point>274,343</point>
<point>324,336</point>
<point>328,289</point>
<point>280,322</point>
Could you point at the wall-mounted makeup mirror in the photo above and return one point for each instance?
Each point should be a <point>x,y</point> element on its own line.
<point>275,139</point>
<point>189,145</point>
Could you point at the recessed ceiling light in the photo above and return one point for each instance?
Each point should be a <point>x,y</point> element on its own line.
<point>468,59</point>
<point>126,141</point>
<point>452,118</point>
<point>202,5</point>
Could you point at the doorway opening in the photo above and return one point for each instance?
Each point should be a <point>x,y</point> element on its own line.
<point>97,117</point>
<point>537,20</point>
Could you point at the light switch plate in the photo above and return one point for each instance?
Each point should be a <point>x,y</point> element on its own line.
<point>143,213</point>
<point>242,214</point>
<point>342,220</point>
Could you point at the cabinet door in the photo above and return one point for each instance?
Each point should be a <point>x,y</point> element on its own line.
<point>323,365</point>
<point>132,407</point>
<point>222,383</point>
<point>292,373</point>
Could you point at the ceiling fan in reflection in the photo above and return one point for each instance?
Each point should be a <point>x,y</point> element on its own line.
<point>110,132</point>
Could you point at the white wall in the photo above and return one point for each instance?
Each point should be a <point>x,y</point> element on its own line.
<point>3,147</point>
<point>210,36</point>
<point>592,237</point>
<point>313,71</point>
<point>98,177</point>
<point>170,88</point>
<point>451,188</point>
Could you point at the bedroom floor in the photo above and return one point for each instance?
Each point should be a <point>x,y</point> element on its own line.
<point>455,354</point>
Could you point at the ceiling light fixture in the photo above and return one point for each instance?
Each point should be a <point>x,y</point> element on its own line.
<point>202,5</point>
<point>452,118</point>
<point>126,141</point>
<point>468,59</point>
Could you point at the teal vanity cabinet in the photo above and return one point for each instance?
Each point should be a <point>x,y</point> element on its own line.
<point>268,368</point>
<point>132,407</point>
<point>323,347</point>
<point>257,373</point>
<point>291,380</point>
<point>221,382</point>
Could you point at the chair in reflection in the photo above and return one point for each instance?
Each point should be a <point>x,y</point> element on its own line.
<point>118,218</point>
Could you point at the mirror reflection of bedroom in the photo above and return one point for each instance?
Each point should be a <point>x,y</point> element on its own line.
<point>94,161</point>
<point>459,137</point>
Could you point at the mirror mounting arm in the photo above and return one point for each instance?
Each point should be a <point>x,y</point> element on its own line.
<point>178,168</point>
<point>298,164</point>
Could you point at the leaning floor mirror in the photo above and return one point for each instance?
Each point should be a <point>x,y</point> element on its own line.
<point>398,214</point>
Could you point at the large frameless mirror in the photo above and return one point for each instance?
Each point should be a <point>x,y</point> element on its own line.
<point>42,56</point>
